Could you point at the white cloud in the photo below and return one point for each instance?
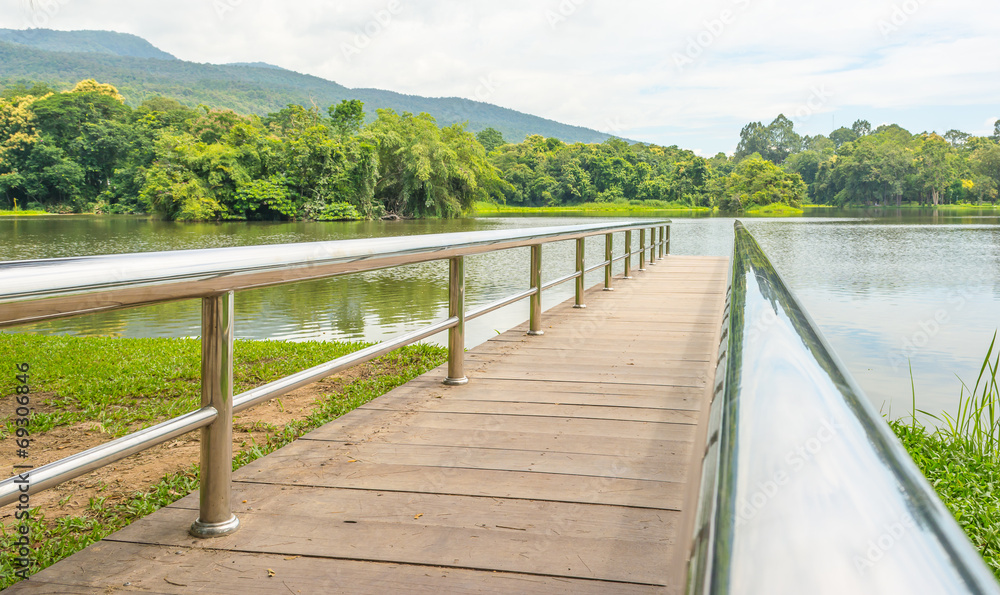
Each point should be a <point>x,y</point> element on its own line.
<point>606,64</point>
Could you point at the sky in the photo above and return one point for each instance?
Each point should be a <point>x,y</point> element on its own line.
<point>667,72</point>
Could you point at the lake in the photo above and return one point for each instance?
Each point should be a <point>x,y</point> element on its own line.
<point>889,288</point>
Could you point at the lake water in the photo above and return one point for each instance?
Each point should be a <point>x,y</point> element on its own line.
<point>889,288</point>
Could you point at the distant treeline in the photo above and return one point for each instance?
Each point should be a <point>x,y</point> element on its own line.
<point>887,165</point>
<point>85,150</point>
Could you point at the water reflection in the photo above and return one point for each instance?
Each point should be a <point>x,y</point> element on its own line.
<point>889,288</point>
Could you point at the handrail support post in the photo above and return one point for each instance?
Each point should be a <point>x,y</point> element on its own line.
<point>215,516</point>
<point>642,249</point>
<point>579,269</point>
<point>608,255</point>
<point>628,255</point>
<point>456,334</point>
<point>652,245</point>
<point>535,324</point>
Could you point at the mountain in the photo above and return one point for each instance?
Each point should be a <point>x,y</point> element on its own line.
<point>94,42</point>
<point>140,71</point>
<point>255,64</point>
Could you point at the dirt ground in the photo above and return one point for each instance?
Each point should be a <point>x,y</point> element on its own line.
<point>122,479</point>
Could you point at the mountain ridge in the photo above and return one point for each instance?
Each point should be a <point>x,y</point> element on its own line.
<point>242,87</point>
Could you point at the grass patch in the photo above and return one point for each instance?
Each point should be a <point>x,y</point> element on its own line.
<point>774,210</point>
<point>127,383</point>
<point>121,382</point>
<point>655,206</point>
<point>20,213</point>
<point>961,458</point>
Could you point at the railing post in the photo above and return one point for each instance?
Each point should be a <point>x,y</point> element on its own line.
<point>666,243</point>
<point>535,327</point>
<point>652,245</point>
<point>608,254</point>
<point>215,517</point>
<point>456,334</point>
<point>628,255</point>
<point>642,249</point>
<point>663,235</point>
<point>579,269</point>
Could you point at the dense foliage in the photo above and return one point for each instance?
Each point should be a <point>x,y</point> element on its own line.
<point>887,165</point>
<point>548,172</point>
<point>86,150</point>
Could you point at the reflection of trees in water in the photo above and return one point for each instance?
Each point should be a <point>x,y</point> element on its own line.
<point>346,305</point>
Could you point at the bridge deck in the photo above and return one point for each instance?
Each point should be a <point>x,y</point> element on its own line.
<point>561,467</point>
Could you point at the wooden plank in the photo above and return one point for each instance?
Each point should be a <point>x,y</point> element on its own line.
<point>132,568</point>
<point>635,362</point>
<point>416,435</point>
<point>311,458</point>
<point>377,421</point>
<point>531,390</point>
<point>547,538</point>
<point>453,405</point>
<point>554,487</point>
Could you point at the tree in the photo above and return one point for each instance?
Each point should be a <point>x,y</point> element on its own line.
<point>782,140</point>
<point>757,182</point>
<point>490,138</point>
<point>985,165</point>
<point>754,138</point>
<point>843,135</point>
<point>428,171</point>
<point>861,128</point>
<point>957,138</point>
<point>17,137</point>
<point>348,117</point>
<point>935,157</point>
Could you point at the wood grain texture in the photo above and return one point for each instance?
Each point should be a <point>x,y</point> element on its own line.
<point>560,468</point>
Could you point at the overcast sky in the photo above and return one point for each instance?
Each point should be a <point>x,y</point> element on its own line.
<point>668,72</point>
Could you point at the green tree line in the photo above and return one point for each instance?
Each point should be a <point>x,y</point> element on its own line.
<point>547,172</point>
<point>86,150</point>
<point>887,165</point>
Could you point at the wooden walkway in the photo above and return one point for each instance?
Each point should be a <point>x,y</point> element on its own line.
<point>562,467</point>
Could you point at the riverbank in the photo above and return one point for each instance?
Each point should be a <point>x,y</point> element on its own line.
<point>966,480</point>
<point>659,207</point>
<point>86,391</point>
<point>652,207</point>
<point>961,458</point>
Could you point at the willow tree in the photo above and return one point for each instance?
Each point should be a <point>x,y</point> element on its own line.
<point>428,171</point>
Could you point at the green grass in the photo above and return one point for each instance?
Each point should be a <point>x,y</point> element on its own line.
<point>774,210</point>
<point>487,208</point>
<point>961,458</point>
<point>145,378</point>
<point>20,213</point>
<point>127,383</point>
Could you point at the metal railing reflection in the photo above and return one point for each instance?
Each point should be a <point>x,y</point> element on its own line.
<point>804,487</point>
<point>32,291</point>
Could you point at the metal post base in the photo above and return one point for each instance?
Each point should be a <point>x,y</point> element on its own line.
<point>456,381</point>
<point>207,530</point>
<point>628,278</point>
<point>580,306</point>
<point>536,333</point>
<point>609,289</point>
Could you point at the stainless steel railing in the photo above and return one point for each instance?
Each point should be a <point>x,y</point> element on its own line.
<point>804,487</point>
<point>36,290</point>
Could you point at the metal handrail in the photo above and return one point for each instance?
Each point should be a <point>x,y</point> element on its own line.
<point>36,290</point>
<point>804,488</point>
